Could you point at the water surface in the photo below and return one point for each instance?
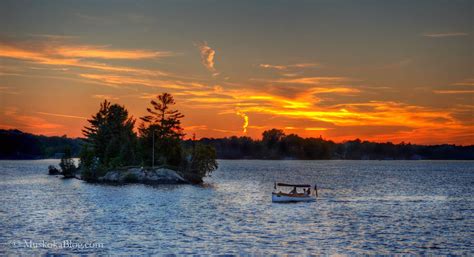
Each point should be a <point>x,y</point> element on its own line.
<point>421,207</point>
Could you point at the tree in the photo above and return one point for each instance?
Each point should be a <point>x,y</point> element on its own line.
<point>272,137</point>
<point>292,146</point>
<point>167,120</point>
<point>88,164</point>
<point>161,129</point>
<point>67,165</point>
<point>110,137</point>
<point>202,163</point>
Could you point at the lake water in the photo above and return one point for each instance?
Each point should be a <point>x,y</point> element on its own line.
<point>420,207</point>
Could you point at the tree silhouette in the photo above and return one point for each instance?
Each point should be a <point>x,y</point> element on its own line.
<point>272,137</point>
<point>161,129</point>
<point>111,136</point>
<point>165,120</point>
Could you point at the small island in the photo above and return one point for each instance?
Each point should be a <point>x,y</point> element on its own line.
<point>113,152</point>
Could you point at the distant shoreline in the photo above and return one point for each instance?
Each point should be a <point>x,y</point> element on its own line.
<point>17,145</point>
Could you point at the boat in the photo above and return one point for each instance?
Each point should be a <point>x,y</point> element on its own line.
<point>294,196</point>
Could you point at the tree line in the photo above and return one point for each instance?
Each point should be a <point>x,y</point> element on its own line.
<point>275,144</point>
<point>17,145</point>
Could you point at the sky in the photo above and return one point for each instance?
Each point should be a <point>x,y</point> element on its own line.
<point>399,71</point>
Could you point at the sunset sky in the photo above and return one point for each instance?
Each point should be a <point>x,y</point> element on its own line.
<point>375,70</point>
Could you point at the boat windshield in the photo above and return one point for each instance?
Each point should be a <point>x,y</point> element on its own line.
<point>292,185</point>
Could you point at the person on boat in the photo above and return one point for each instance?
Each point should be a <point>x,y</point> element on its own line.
<point>308,192</point>
<point>293,191</point>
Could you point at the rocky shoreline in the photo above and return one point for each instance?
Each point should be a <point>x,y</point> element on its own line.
<point>153,176</point>
<point>144,176</point>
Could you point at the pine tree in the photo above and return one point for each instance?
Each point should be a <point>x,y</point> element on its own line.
<point>163,126</point>
<point>111,136</point>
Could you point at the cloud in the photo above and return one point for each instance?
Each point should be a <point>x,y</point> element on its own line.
<point>358,116</point>
<point>54,37</point>
<point>448,34</point>
<point>302,98</point>
<point>15,119</point>
<point>62,115</point>
<point>310,80</point>
<point>121,80</point>
<point>290,66</point>
<point>325,90</point>
<point>458,88</point>
<point>108,97</point>
<point>196,127</point>
<point>207,57</point>
<point>226,131</point>
<point>246,121</point>
<point>466,82</point>
<point>316,129</point>
<point>453,91</point>
<point>387,113</point>
<point>74,56</point>
<point>87,51</point>
<point>304,106</point>
<point>276,67</point>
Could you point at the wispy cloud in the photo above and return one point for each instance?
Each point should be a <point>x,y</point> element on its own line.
<point>310,80</point>
<point>446,34</point>
<point>75,56</point>
<point>102,52</point>
<point>270,66</point>
<point>16,119</point>
<point>458,88</point>
<point>62,115</point>
<point>316,129</point>
<point>54,37</point>
<point>108,97</point>
<point>466,82</point>
<point>207,57</point>
<point>195,127</point>
<point>122,80</point>
<point>453,91</point>
<point>289,66</point>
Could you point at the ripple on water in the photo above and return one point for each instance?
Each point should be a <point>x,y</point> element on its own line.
<point>414,207</point>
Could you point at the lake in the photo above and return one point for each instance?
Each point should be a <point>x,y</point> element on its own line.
<point>419,207</point>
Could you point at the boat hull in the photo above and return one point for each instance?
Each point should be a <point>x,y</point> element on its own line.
<point>279,198</point>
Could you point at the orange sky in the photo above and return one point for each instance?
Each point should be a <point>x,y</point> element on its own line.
<point>344,85</point>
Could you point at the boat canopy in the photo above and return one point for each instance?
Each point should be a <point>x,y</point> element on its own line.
<point>292,185</point>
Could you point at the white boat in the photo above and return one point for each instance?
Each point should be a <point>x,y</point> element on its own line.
<point>294,196</point>
<point>285,198</point>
